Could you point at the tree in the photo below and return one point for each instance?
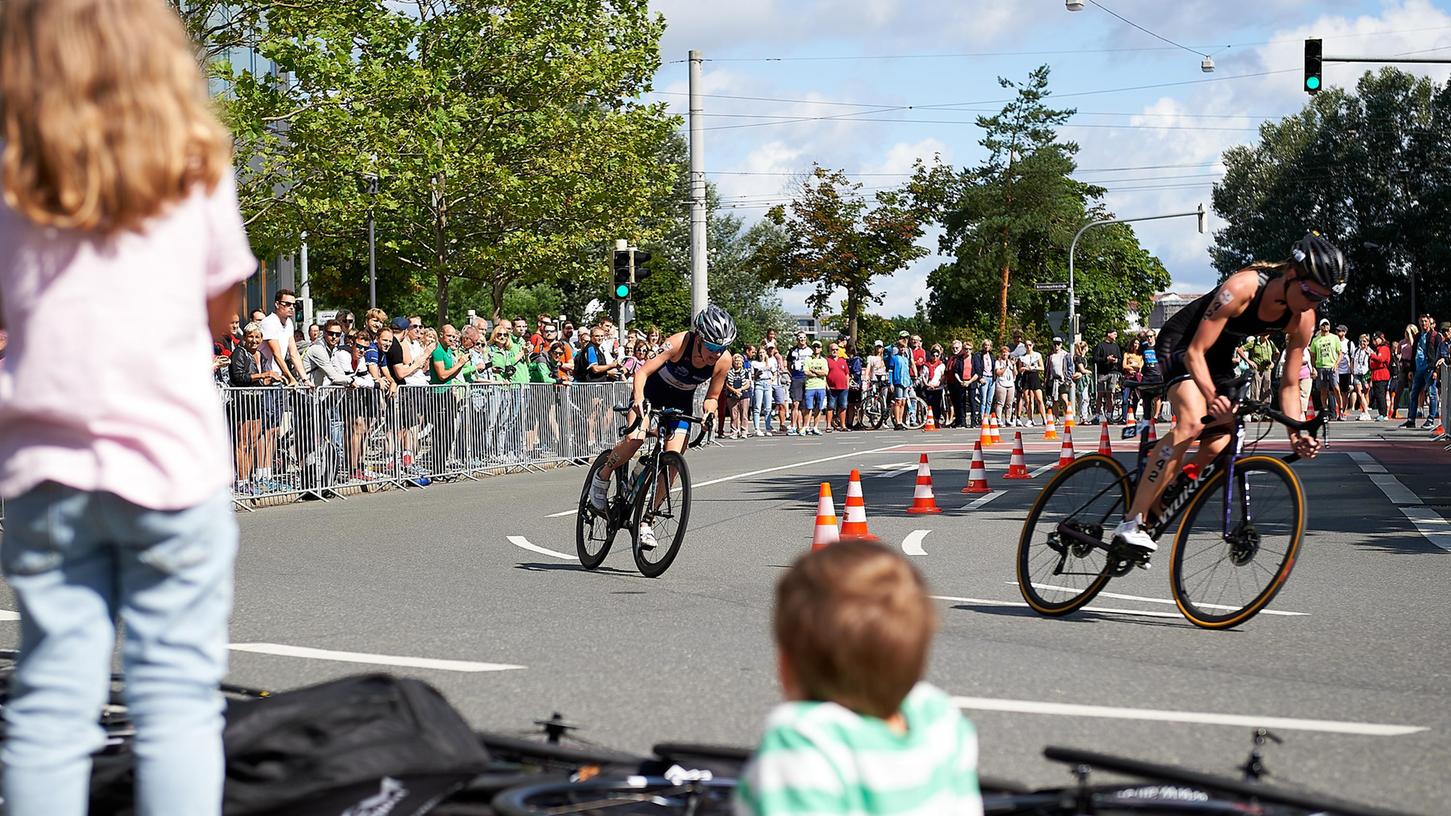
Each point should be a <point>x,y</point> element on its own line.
<point>1368,170</point>
<point>1009,222</point>
<point>504,137</point>
<point>833,241</point>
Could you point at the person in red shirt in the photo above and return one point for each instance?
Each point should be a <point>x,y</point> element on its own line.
<point>838,380</point>
<point>1380,373</point>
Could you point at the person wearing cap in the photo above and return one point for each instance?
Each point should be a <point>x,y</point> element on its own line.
<point>1344,394</point>
<point>815,369</point>
<point>1324,355</point>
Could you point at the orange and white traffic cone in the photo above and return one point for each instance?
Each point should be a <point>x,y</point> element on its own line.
<point>977,473</point>
<point>922,499</point>
<point>1130,419</point>
<point>855,522</point>
<point>1153,434</point>
<point>931,422</point>
<point>825,533</point>
<point>1068,423</point>
<point>1105,445</point>
<point>1065,454</point>
<point>985,435</point>
<point>1050,431</point>
<point>1017,466</point>
<point>996,430</point>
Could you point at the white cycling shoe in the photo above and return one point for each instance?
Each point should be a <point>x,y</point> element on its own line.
<point>647,537</point>
<point>599,498</point>
<point>1132,534</point>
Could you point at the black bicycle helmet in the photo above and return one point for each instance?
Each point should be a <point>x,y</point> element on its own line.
<point>715,325</point>
<point>1321,262</point>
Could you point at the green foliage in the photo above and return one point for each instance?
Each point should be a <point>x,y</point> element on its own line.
<point>1363,166</point>
<point>1009,222</point>
<point>505,139</point>
<point>831,238</point>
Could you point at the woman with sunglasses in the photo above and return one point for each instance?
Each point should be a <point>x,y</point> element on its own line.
<point>1196,353</point>
<point>686,361</point>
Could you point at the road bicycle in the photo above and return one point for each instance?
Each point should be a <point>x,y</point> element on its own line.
<point>657,493</point>
<point>877,407</point>
<point>1243,523</point>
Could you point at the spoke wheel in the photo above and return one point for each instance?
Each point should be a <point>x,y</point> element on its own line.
<point>1220,580</point>
<point>1058,574</point>
<point>593,530</point>
<point>915,415</point>
<point>873,412</point>
<point>639,795</point>
<point>664,504</point>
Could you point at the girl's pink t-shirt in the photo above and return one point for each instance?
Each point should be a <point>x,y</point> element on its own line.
<point>107,383</point>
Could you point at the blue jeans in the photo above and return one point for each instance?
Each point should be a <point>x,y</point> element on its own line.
<point>985,398</point>
<point>1423,382</point>
<point>76,560</point>
<point>761,393</point>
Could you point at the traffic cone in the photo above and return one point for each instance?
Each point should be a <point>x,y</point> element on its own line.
<point>1130,419</point>
<point>1050,431</point>
<point>985,435</point>
<point>1068,423</point>
<point>1440,430</point>
<point>931,422</point>
<point>855,522</point>
<point>922,499</point>
<point>977,474</point>
<point>825,533</point>
<point>1017,466</point>
<point>1153,434</point>
<point>997,436</point>
<point>1105,445</point>
<point>1066,455</point>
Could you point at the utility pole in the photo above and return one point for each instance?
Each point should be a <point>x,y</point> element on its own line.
<point>699,288</point>
<point>372,251</point>
<point>306,287</point>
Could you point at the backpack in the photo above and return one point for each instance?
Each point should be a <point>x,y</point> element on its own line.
<point>581,367</point>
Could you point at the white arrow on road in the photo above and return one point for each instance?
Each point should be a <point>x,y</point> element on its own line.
<point>523,543</point>
<point>912,544</point>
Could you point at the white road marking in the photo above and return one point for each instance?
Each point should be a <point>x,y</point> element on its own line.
<point>1427,522</point>
<point>7,615</point>
<point>1044,469</point>
<point>1169,601</point>
<point>562,515</point>
<point>985,602</point>
<point>1203,718</point>
<point>912,544</point>
<point>1436,529</point>
<point>898,471</point>
<point>523,543</point>
<point>1394,490</point>
<point>979,502</point>
<point>1367,463</point>
<point>374,659</point>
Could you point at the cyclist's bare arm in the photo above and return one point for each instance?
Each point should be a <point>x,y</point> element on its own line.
<point>669,353</point>
<point>717,382</point>
<point>1234,297</point>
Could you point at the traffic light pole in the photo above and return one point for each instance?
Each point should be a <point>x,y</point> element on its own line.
<point>1072,247</point>
<point>699,290</point>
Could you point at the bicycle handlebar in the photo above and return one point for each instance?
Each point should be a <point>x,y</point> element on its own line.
<point>702,436</point>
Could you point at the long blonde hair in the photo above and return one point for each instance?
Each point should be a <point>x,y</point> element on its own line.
<point>104,113</point>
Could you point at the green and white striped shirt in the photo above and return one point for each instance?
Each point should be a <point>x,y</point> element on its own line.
<point>822,759</point>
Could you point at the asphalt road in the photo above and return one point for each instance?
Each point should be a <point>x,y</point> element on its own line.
<point>483,571</point>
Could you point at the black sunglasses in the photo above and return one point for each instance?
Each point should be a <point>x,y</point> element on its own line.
<point>335,334</point>
<point>1310,294</point>
<point>286,303</point>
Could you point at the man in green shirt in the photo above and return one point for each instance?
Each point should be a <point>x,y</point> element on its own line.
<point>816,370</point>
<point>1324,354</point>
<point>1261,353</point>
<point>445,367</point>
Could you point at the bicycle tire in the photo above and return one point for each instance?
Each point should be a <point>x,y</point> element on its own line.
<point>1035,584</point>
<point>1203,611</point>
<point>678,508</point>
<point>914,416</point>
<point>636,795</point>
<point>873,414</point>
<point>587,521</point>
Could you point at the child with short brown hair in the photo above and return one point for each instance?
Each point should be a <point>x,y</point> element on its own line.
<point>862,734</point>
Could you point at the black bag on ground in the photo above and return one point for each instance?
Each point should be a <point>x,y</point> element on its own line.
<point>368,745</point>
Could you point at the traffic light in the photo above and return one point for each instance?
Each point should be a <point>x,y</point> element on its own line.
<point>629,270</point>
<point>1313,63</point>
<point>624,282</point>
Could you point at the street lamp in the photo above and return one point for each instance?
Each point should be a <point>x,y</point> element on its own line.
<point>1207,65</point>
<point>372,252</point>
<point>1074,5</point>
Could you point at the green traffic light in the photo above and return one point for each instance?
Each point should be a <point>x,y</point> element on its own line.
<point>1312,83</point>
<point>622,290</point>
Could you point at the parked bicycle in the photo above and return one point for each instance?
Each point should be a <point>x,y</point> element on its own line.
<point>657,493</point>
<point>877,407</point>
<point>1243,523</point>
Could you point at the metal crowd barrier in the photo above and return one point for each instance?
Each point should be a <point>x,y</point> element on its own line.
<point>290,441</point>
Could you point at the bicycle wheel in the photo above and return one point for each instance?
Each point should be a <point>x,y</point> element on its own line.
<point>1221,580</point>
<point>664,504</point>
<point>593,532</point>
<point>874,412</point>
<point>916,414</point>
<point>1057,574</point>
<point>633,795</point>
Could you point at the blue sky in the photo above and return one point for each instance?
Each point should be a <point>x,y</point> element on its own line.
<point>1155,148</point>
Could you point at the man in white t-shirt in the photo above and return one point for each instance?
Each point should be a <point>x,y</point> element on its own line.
<point>278,340</point>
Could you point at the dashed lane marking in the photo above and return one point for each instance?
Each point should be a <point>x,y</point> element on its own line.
<point>897,471</point>
<point>1435,528</point>
<point>1198,717</point>
<point>979,502</point>
<point>523,543</point>
<point>912,544</point>
<point>1123,597</point>
<point>7,615</point>
<point>985,602</point>
<point>1427,522</point>
<point>373,659</point>
<point>1367,463</point>
<point>1044,469</point>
